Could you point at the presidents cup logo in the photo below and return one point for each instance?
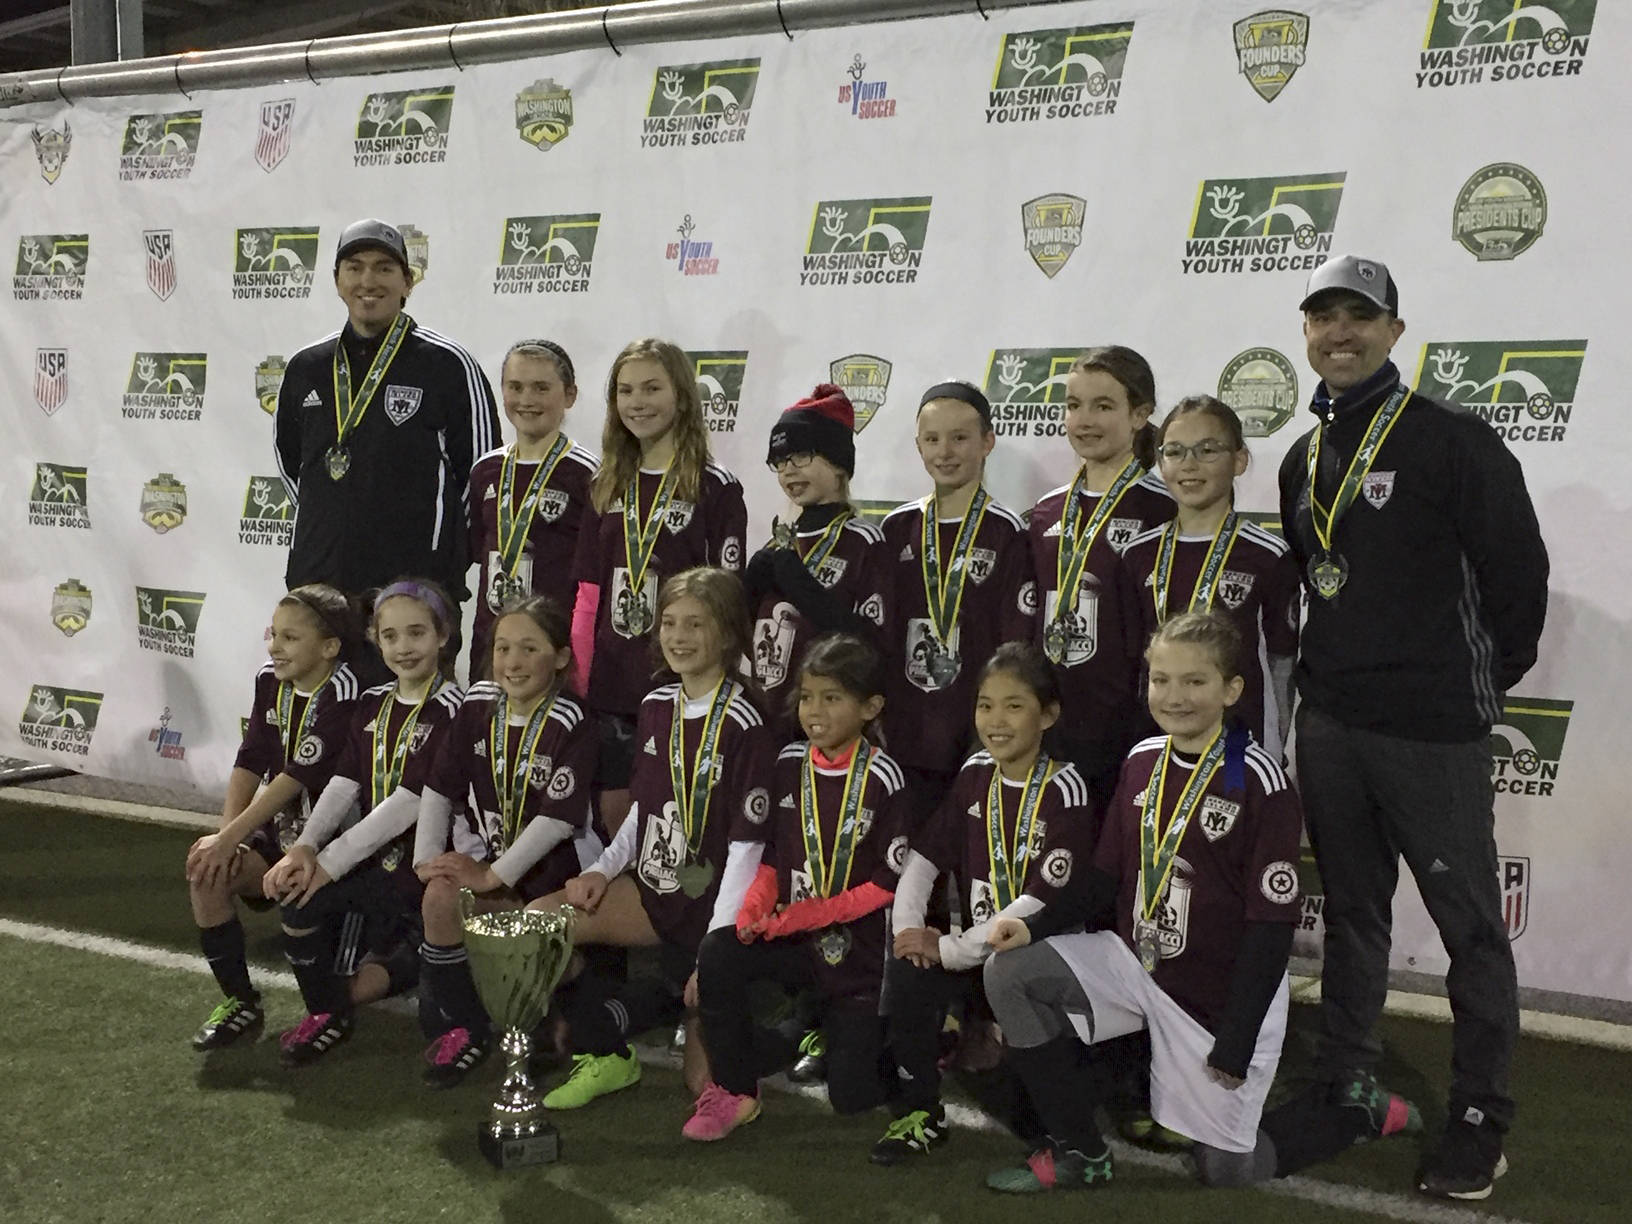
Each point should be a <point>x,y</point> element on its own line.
<point>59,496</point>
<point>269,514</point>
<point>276,131</point>
<point>1072,73</point>
<point>274,262</point>
<point>1262,386</point>
<point>160,146</point>
<point>1053,228</point>
<point>1528,744</point>
<point>60,719</point>
<point>1269,47</point>
<point>866,242</point>
<point>161,262</point>
<point>544,114</point>
<point>719,381</point>
<point>865,379</point>
<point>1524,388</point>
<point>167,621</point>
<point>164,503</point>
<point>50,378</point>
<point>51,149</point>
<point>166,743</point>
<point>1500,212</point>
<point>1509,40</point>
<point>268,382</point>
<point>700,104</point>
<point>418,245</point>
<point>1026,387</point>
<point>546,254</point>
<point>165,387</point>
<point>1263,224</point>
<point>404,128</point>
<point>71,606</point>
<point>51,267</point>
<point>691,258</point>
<point>865,99</point>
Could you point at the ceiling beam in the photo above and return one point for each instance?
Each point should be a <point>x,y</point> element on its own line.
<point>281,22</point>
<point>47,20</point>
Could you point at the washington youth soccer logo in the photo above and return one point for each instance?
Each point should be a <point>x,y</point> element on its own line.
<point>165,387</point>
<point>276,132</point>
<point>1524,388</point>
<point>1473,41</point>
<point>71,607</point>
<point>166,740</point>
<point>51,267</point>
<point>59,496</point>
<point>719,381</point>
<point>274,261</point>
<point>1262,386</point>
<point>404,128</point>
<point>691,256</point>
<point>1073,73</point>
<point>1269,48</point>
<point>1263,224</point>
<point>50,379</point>
<point>1527,746</point>
<point>866,242</point>
<point>51,149</point>
<point>1026,388</point>
<point>160,146</point>
<point>167,621</point>
<point>161,262</point>
<point>1053,229</point>
<point>865,380</point>
<point>1513,874</point>
<point>700,104</point>
<point>60,719</point>
<point>864,98</point>
<point>544,114</point>
<point>546,254</point>
<point>164,503</point>
<point>268,516</point>
<point>1500,212</point>
<point>268,382</point>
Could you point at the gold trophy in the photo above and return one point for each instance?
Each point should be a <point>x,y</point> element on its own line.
<point>517,957</point>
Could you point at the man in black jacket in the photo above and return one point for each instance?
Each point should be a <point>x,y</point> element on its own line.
<point>1426,582</point>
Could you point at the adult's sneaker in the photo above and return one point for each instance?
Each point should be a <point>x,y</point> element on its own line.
<point>232,1021</point>
<point>912,1134</point>
<point>312,1038</point>
<point>594,1075</point>
<point>1467,1161</point>
<point>718,1113</point>
<point>1053,1168</point>
<point>453,1056</point>
<point>811,1066</point>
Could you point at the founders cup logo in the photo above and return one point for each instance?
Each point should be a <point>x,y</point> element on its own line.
<point>719,382</point>
<point>60,719</point>
<point>546,254</point>
<point>1269,47</point>
<point>51,267</point>
<point>1262,386</point>
<point>866,242</point>
<point>1500,212</point>
<point>700,104</point>
<point>1527,745</point>
<point>274,261</point>
<point>164,503</point>
<point>1524,388</point>
<point>165,387</point>
<point>160,146</point>
<point>59,496</point>
<point>404,127</point>
<point>1263,224</point>
<point>1026,387</point>
<point>865,381</point>
<point>167,621</point>
<point>71,606</point>
<point>1072,73</point>
<point>269,515</point>
<point>1053,228</point>
<point>544,114</point>
<point>1472,41</point>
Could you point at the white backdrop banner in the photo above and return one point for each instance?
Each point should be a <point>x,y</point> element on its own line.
<point>885,206</point>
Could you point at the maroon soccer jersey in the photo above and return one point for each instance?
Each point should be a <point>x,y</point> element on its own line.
<point>1257,590</point>
<point>852,964</point>
<point>546,563</point>
<point>737,805</point>
<point>855,572</point>
<point>929,724</point>
<point>709,531</point>
<point>1236,863</point>
<point>303,739</point>
<point>559,781</point>
<point>958,840</point>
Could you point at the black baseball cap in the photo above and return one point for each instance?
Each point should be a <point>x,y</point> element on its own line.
<point>376,235</point>
<point>1354,274</point>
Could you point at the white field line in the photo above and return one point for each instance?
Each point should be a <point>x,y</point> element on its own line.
<point>1327,1194</point>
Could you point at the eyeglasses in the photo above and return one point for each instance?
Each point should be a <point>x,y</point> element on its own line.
<point>1205,451</point>
<point>797,463</point>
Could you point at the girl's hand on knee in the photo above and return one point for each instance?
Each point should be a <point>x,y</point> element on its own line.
<point>585,892</point>
<point>1007,934</point>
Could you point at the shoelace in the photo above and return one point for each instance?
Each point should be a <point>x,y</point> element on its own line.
<point>812,1044</point>
<point>449,1046</point>
<point>224,1009</point>
<point>582,1064</point>
<point>912,1125</point>
<point>307,1029</point>
<point>716,1101</point>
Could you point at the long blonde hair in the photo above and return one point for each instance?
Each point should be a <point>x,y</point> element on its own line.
<point>620,450</point>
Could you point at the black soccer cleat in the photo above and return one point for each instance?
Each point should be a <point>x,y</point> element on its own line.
<point>312,1038</point>
<point>232,1021</point>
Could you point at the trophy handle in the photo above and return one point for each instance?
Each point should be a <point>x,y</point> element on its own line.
<point>467,905</point>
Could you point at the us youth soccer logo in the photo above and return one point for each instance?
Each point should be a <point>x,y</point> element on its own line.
<point>691,257</point>
<point>268,516</point>
<point>1473,41</point>
<point>1513,873</point>
<point>268,382</point>
<point>274,261</point>
<point>866,242</point>
<point>418,245</point>
<point>700,104</point>
<point>719,381</point>
<point>1524,388</point>
<point>1269,48</point>
<point>165,387</point>
<point>865,380</point>
<point>166,740</point>
<point>161,262</point>
<point>1263,224</point>
<point>276,132</point>
<point>160,146</point>
<point>1026,388</point>
<point>164,503</point>
<point>1500,212</point>
<point>544,114</point>
<point>59,496</point>
<point>51,150</point>
<point>546,254</point>
<point>167,621</point>
<point>1073,73</point>
<point>50,379</point>
<point>404,127</point>
<point>863,98</point>
<point>1527,746</point>
<point>71,606</point>
<point>51,267</point>
<point>60,719</point>
<point>1262,386</point>
<point>1053,229</point>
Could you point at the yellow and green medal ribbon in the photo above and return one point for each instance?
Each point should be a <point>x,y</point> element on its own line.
<point>943,587</point>
<point>1218,552</point>
<point>831,875</point>
<point>1158,848</point>
<point>511,785</point>
<point>640,542</point>
<point>1010,862</point>
<point>692,797</point>
<point>349,408</point>
<point>1077,539</point>
<point>1327,570</point>
<point>514,524</point>
<point>389,755</point>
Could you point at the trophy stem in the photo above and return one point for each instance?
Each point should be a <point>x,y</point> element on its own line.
<point>518,1100</point>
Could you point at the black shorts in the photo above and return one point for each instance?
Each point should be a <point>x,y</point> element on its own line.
<point>617,751</point>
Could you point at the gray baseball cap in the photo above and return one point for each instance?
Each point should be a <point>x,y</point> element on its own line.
<point>1354,274</point>
<point>376,235</point>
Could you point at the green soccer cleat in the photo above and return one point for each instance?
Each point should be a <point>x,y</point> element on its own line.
<point>910,1135</point>
<point>594,1075</point>
<point>232,1021</point>
<point>812,1065</point>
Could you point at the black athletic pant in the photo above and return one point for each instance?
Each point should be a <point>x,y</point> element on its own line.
<point>603,1011</point>
<point>362,912</point>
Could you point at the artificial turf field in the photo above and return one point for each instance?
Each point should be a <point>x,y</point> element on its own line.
<point>109,1116</point>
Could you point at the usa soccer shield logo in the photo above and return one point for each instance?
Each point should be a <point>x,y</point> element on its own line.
<point>50,378</point>
<point>161,262</point>
<point>1378,488</point>
<point>1515,879</point>
<point>277,128</point>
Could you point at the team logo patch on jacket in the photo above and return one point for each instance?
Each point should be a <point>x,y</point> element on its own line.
<point>402,402</point>
<point>1218,816</point>
<point>1378,488</point>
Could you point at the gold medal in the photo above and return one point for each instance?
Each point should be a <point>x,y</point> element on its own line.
<point>1054,641</point>
<point>1327,574</point>
<point>339,462</point>
<point>834,944</point>
<point>1327,570</point>
<point>694,878</point>
<point>1149,945</point>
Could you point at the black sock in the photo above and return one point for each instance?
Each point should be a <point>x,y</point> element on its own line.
<point>224,948</point>
<point>1063,1090</point>
<point>596,1021</point>
<point>311,956</point>
<point>445,975</point>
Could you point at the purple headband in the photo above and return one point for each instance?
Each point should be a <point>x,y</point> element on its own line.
<point>421,592</point>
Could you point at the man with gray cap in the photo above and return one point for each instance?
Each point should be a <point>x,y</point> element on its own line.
<point>1426,581</point>
<point>377,427</point>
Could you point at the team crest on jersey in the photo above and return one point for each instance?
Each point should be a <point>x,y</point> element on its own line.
<point>71,607</point>
<point>678,516</point>
<point>982,564</point>
<point>831,570</point>
<point>51,148</point>
<point>552,504</point>
<point>1378,488</point>
<point>310,751</point>
<point>925,655</point>
<point>1515,877</point>
<point>757,806</point>
<point>420,737</point>
<point>662,850</point>
<point>634,612</point>
<point>1218,817</point>
<point>1026,598</point>
<point>1079,625</point>
<point>1233,588</point>
<point>1279,883</point>
<point>773,645</point>
<point>982,906</point>
<point>1120,531</point>
<point>50,378</point>
<point>161,262</point>
<point>896,854</point>
<point>402,402</point>
<point>1057,867</point>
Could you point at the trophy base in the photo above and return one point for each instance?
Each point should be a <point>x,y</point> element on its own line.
<point>541,1146</point>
